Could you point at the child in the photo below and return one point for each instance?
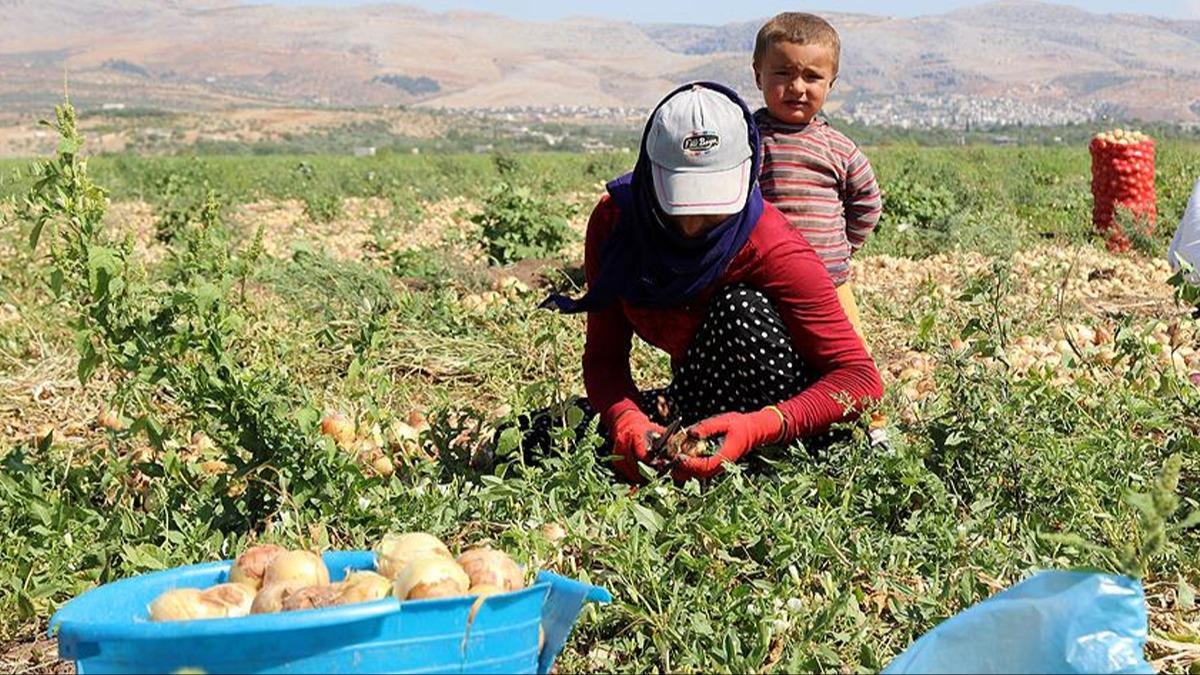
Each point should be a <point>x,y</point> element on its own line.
<point>815,175</point>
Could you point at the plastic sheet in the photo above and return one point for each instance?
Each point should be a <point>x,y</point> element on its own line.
<point>1053,622</point>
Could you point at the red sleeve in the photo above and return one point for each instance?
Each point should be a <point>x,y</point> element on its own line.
<point>792,275</point>
<point>606,374</point>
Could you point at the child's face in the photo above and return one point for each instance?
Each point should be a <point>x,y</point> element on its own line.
<point>795,79</point>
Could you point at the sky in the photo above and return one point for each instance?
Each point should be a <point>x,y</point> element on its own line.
<point>728,11</point>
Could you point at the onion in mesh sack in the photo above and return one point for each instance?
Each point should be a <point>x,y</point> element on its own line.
<point>487,566</point>
<point>305,567</point>
<point>395,551</point>
<point>252,564</point>
<point>431,576</point>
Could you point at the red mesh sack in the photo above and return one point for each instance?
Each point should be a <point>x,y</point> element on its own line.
<point>1122,183</point>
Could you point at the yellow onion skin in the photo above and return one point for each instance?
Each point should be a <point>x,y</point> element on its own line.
<point>483,591</point>
<point>364,586</point>
<point>272,596</point>
<point>487,566</point>
<point>395,551</point>
<point>430,577</point>
<point>252,564</point>
<point>237,598</point>
<point>312,597</point>
<point>185,604</point>
<point>305,567</point>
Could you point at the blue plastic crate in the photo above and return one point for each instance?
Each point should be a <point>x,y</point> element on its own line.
<point>107,630</point>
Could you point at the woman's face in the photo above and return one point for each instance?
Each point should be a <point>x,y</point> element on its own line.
<point>694,226</point>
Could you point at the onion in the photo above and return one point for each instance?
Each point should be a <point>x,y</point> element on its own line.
<point>270,599</point>
<point>250,566</point>
<point>339,427</point>
<point>383,466</point>
<point>364,587</point>
<point>487,566</point>
<point>237,598</point>
<point>553,532</point>
<point>483,591</point>
<point>395,551</point>
<point>110,420</point>
<point>431,576</point>
<point>312,597</point>
<point>304,567</point>
<point>186,604</point>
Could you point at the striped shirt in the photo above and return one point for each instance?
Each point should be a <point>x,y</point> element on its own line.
<point>823,184</point>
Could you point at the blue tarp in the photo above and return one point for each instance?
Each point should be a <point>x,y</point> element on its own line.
<point>1053,622</point>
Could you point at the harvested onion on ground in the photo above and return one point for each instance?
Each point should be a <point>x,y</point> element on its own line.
<point>395,551</point>
<point>487,566</point>
<point>432,576</point>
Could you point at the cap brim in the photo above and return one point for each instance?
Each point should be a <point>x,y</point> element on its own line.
<point>689,193</point>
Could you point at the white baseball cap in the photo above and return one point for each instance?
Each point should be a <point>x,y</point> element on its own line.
<point>700,155</point>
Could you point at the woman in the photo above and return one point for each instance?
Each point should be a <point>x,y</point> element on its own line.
<point>684,253</point>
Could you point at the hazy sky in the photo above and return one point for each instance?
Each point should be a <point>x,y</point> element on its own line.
<point>725,11</point>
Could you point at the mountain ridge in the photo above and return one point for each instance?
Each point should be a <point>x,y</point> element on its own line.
<point>218,53</point>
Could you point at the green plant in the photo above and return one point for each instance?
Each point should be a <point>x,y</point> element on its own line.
<point>911,201</point>
<point>177,338</point>
<point>517,224</point>
<point>323,208</point>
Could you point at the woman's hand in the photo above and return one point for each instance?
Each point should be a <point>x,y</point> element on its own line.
<point>741,431</point>
<point>631,442</point>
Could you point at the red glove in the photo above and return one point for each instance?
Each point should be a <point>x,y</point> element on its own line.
<point>631,441</point>
<point>742,431</point>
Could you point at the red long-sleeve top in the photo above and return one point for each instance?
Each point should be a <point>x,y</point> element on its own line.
<point>776,260</point>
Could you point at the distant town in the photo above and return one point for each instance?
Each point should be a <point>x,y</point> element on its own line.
<point>599,129</point>
<point>952,111</point>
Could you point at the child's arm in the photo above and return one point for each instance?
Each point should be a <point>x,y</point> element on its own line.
<point>861,200</point>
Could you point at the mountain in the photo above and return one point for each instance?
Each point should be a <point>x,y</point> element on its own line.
<point>205,54</point>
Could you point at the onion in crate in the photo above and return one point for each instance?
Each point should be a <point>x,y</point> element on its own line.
<point>252,564</point>
<point>431,576</point>
<point>237,598</point>
<point>364,586</point>
<point>487,566</point>
<point>270,599</point>
<point>304,567</point>
<point>185,604</point>
<point>312,597</point>
<point>395,551</point>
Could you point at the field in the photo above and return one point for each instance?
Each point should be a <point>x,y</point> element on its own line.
<point>210,311</point>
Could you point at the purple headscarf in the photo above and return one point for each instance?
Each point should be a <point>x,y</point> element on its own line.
<point>645,260</point>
